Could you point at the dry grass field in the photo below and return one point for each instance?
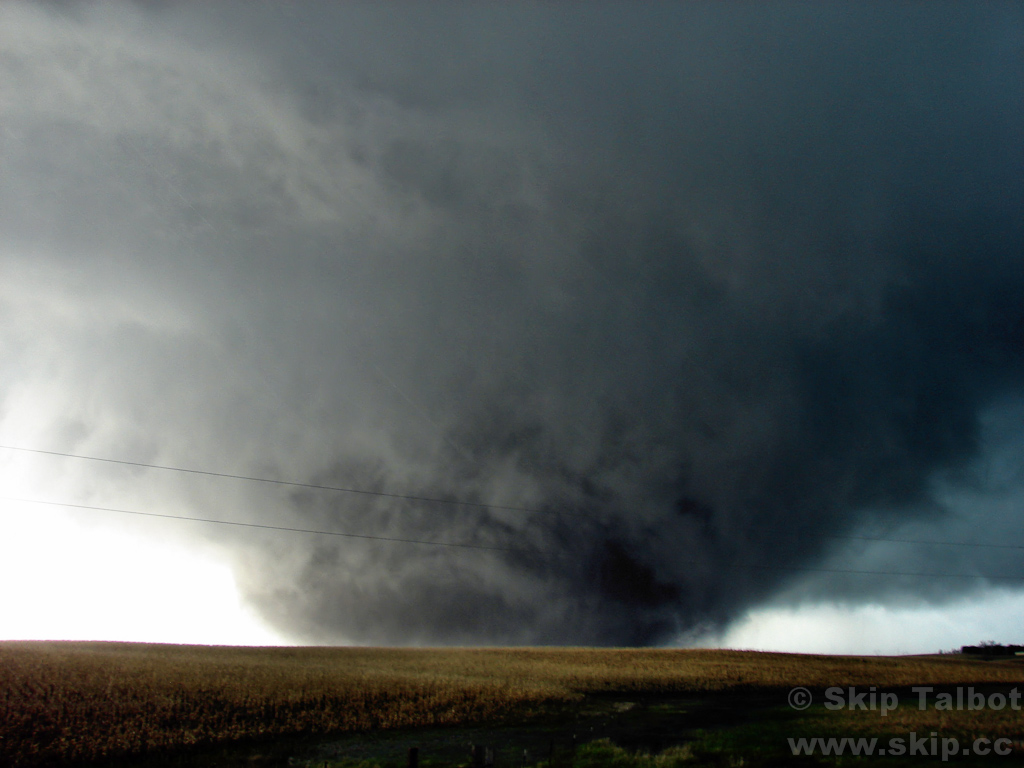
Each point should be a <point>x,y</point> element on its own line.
<point>77,703</point>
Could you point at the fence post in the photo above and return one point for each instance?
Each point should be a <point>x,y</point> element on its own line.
<point>478,756</point>
<point>414,757</point>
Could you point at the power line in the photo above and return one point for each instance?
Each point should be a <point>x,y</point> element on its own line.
<point>756,566</point>
<point>453,502</point>
<point>261,525</point>
<point>925,541</point>
<point>884,573</point>
<point>295,484</point>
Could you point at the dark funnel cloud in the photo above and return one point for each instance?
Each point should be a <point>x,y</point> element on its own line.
<point>668,295</point>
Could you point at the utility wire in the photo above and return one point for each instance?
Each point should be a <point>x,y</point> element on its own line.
<point>925,541</point>
<point>294,484</point>
<point>757,566</point>
<point>884,573</point>
<point>260,525</point>
<point>454,502</point>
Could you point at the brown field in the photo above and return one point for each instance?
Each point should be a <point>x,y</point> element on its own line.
<point>67,702</point>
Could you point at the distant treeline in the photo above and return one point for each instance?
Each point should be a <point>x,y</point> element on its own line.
<point>992,649</point>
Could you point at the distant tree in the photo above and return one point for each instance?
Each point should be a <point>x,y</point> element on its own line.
<point>990,649</point>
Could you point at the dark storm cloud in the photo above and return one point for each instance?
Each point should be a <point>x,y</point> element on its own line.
<point>700,285</point>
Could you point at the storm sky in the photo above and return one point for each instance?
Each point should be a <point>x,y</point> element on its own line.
<point>669,311</point>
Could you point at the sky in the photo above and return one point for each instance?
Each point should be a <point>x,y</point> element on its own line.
<point>619,324</point>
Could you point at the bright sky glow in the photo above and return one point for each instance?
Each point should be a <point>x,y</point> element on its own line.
<point>64,581</point>
<point>877,629</point>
